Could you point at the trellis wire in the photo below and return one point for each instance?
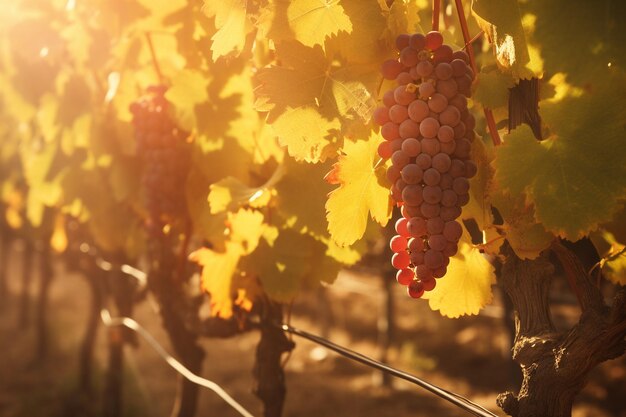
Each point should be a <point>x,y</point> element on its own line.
<point>171,361</point>
<point>456,399</point>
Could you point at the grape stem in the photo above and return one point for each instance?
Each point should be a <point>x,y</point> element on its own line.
<point>491,123</point>
<point>155,61</point>
<point>436,14</point>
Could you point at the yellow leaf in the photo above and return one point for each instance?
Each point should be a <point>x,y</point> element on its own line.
<point>246,228</point>
<point>466,288</point>
<point>362,190</point>
<point>230,19</point>
<point>218,269</point>
<point>308,21</point>
<point>308,136</point>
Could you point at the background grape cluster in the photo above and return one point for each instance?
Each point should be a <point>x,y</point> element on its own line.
<point>428,132</point>
<point>161,146</point>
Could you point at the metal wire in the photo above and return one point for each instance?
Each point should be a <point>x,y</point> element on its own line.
<point>179,367</point>
<point>455,399</point>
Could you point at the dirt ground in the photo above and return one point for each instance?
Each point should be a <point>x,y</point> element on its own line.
<point>469,356</point>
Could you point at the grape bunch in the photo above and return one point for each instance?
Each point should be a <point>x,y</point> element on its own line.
<point>166,159</point>
<point>428,132</point>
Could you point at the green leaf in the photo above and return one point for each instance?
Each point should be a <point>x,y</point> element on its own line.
<point>492,88</point>
<point>189,88</point>
<point>576,177</point>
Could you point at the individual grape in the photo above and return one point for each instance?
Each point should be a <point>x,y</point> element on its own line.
<point>433,258</point>
<point>462,55</point>
<point>463,148</point>
<point>459,130</point>
<point>448,148</point>
<point>426,89</point>
<point>458,67</point>
<point>463,199</point>
<point>445,134</point>
<point>457,168</point>
<point>434,40</point>
<point>380,116</point>
<point>400,260</point>
<point>437,103</point>
<point>430,210</point>
<point>398,113</point>
<point>384,150</point>
<point>415,244</point>
<point>412,174</point>
<point>401,227</point>
<point>450,249</point>
<point>408,57</point>
<point>431,177</point>
<point>464,84</point>
<point>417,258</point>
<point>423,272</point>
<point>447,87</point>
<point>416,227</point>
<point>460,185</point>
<point>424,69</point>
<point>405,276</point>
<point>409,129</point>
<point>417,41</point>
<point>388,99</point>
<point>429,284</point>
<point>435,225</point>
<point>471,135</point>
<point>429,127</point>
<point>390,69</point>
<point>415,289</point>
<point>437,242</point>
<point>443,70</point>
<point>449,198</point>
<point>400,184</point>
<point>441,162</point>
<point>443,54</point>
<point>402,41</point>
<point>418,110</point>
<point>470,122</point>
<point>399,159</point>
<point>411,147</point>
<point>395,193</point>
<point>471,169</point>
<point>452,231</point>
<point>430,146</point>
<point>393,173</point>
<point>439,272</point>
<point>412,195</point>
<point>396,145</point>
<point>446,181</point>
<point>451,116</point>
<point>403,96</point>
<point>390,131</point>
<point>431,194</point>
<point>450,213</point>
<point>409,211</point>
<point>460,102</point>
<point>398,243</point>
<point>423,161</point>
<point>404,78</point>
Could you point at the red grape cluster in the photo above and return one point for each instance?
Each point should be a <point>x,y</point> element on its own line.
<point>161,146</point>
<point>428,132</point>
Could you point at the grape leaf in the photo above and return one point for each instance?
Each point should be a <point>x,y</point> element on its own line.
<point>189,88</point>
<point>362,190</point>
<point>502,22</point>
<point>245,228</point>
<point>308,21</point>
<point>574,181</point>
<point>231,21</point>
<point>492,88</point>
<point>307,78</point>
<point>466,288</point>
<point>478,207</point>
<point>308,135</point>
<point>218,269</point>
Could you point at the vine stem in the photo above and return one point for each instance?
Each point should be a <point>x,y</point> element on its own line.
<point>155,61</point>
<point>491,122</point>
<point>436,14</point>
